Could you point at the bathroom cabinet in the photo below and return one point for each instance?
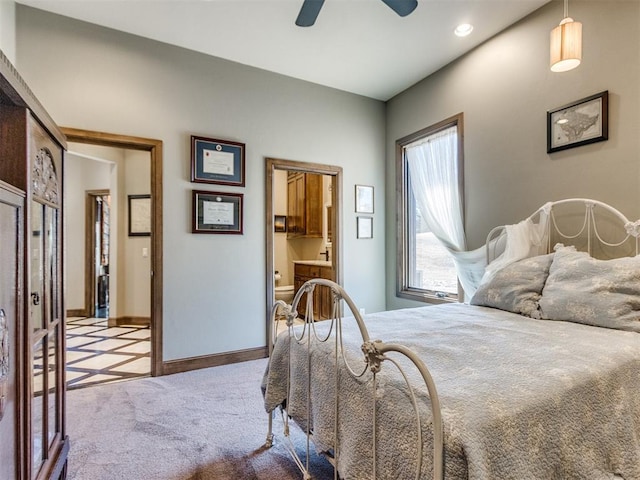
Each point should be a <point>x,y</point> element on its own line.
<point>309,270</point>
<point>304,205</point>
<point>32,336</point>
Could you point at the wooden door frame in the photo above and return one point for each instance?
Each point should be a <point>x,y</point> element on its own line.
<point>273,164</point>
<point>154,147</point>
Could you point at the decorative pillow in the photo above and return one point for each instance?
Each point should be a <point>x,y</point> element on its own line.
<point>517,287</point>
<point>582,289</point>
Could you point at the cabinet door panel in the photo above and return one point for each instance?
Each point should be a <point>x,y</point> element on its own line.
<point>36,289</point>
<point>313,205</point>
<point>38,448</point>
<point>9,279</point>
<point>52,389</point>
<point>51,261</point>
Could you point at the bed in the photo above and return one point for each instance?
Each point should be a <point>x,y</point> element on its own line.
<point>535,378</point>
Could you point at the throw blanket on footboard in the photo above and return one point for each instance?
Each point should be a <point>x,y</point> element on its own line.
<point>520,398</point>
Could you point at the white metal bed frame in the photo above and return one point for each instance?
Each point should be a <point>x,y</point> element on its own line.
<point>376,352</point>
<point>589,230</point>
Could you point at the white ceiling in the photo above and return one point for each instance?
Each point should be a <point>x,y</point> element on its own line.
<point>359,46</point>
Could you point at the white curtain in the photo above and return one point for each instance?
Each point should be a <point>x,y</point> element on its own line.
<point>524,239</point>
<point>433,177</point>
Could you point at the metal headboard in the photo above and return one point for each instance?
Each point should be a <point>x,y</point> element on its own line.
<point>590,225</point>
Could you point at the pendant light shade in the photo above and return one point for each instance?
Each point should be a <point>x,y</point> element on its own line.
<point>566,44</point>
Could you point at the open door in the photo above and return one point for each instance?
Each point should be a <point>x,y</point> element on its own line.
<point>309,197</point>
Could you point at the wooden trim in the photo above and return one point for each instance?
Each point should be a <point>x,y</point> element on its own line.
<point>401,205</point>
<point>12,189</point>
<point>60,468</point>
<point>13,122</point>
<point>129,320</point>
<point>215,360</point>
<point>78,135</point>
<point>154,147</point>
<point>77,313</point>
<point>55,467</point>
<point>273,164</point>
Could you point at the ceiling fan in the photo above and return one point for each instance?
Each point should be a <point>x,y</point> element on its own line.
<point>311,8</point>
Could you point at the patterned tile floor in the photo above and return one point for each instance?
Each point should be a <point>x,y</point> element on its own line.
<point>97,353</point>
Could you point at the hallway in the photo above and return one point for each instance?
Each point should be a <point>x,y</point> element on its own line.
<point>98,354</point>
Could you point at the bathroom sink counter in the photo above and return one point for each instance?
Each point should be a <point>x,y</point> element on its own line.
<point>317,263</point>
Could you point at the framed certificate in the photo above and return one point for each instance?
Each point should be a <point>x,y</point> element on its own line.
<point>139,215</point>
<point>216,212</point>
<point>217,161</point>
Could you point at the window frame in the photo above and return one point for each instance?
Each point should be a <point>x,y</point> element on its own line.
<point>403,290</point>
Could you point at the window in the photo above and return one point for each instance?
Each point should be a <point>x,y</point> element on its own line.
<point>430,211</point>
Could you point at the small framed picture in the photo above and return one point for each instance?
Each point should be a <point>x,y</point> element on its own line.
<point>365,227</point>
<point>280,223</point>
<point>578,123</point>
<point>364,199</point>
<point>216,212</point>
<point>139,215</point>
<point>217,161</point>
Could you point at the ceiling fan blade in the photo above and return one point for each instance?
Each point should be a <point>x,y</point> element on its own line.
<point>309,12</point>
<point>402,7</point>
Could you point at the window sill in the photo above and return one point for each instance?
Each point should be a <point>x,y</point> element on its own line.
<point>426,297</point>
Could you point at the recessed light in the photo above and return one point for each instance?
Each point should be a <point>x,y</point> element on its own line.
<point>463,29</point>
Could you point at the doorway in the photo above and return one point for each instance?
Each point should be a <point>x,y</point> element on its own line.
<point>97,253</point>
<point>97,238</point>
<point>324,239</point>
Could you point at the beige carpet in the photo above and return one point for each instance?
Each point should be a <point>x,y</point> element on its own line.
<point>200,425</point>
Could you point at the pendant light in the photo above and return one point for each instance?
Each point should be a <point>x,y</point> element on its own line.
<point>566,43</point>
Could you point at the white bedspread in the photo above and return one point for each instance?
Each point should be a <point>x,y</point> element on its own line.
<point>521,398</point>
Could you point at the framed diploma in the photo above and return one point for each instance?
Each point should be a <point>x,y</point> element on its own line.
<point>217,161</point>
<point>216,212</point>
<point>139,215</point>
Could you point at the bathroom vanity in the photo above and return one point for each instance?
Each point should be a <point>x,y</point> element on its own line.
<point>306,270</point>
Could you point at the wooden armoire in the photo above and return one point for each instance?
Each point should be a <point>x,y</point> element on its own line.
<point>33,441</point>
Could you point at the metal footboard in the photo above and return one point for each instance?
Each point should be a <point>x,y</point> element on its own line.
<point>375,354</point>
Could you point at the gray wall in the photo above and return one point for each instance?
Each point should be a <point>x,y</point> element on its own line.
<point>214,285</point>
<point>8,29</point>
<point>505,87</point>
<point>134,289</point>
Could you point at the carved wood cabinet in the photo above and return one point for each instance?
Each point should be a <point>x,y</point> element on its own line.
<point>33,440</point>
